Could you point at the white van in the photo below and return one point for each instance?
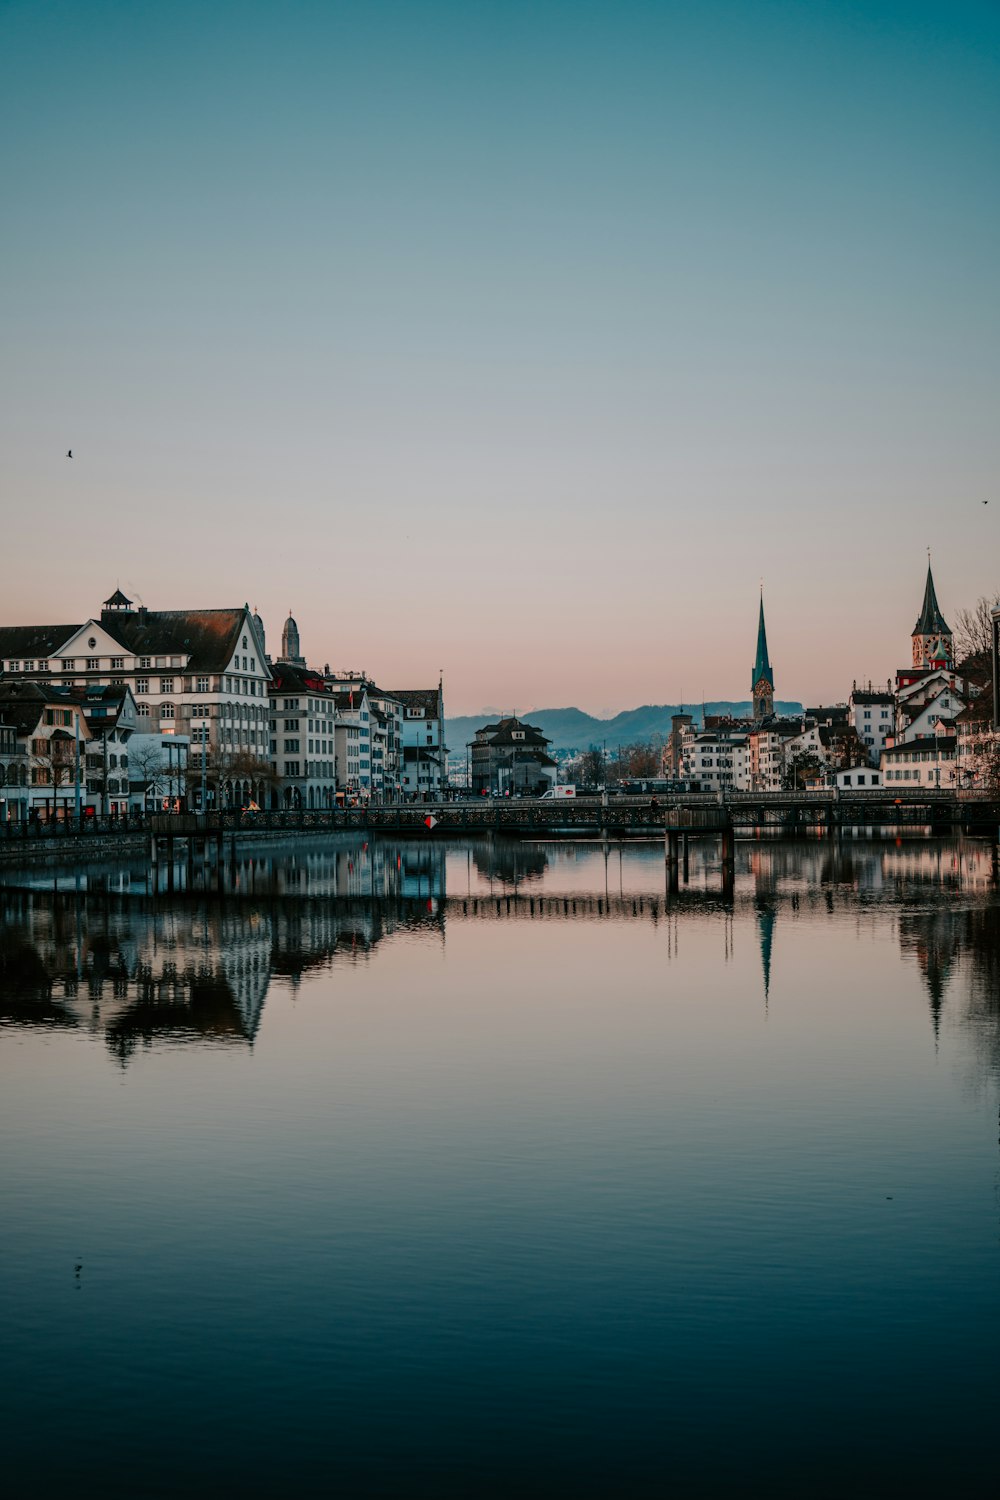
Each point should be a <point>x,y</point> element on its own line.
<point>556,793</point>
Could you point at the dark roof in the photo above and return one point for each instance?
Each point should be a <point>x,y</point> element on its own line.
<point>931,620</point>
<point>118,601</point>
<point>869,697</point>
<point>21,704</point>
<point>285,678</point>
<point>208,636</point>
<point>502,733</point>
<point>923,742</point>
<point>425,698</point>
<point>34,642</point>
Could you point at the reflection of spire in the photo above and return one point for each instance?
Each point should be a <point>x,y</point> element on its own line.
<point>766,916</point>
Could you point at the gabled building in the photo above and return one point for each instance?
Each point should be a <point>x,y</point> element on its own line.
<point>510,758</point>
<point>198,673</point>
<point>385,726</point>
<point>51,738</point>
<point>354,743</point>
<point>423,770</point>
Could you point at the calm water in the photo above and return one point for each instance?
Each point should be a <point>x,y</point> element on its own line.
<point>412,1170</point>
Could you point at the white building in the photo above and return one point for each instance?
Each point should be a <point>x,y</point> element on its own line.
<point>873,716</point>
<point>927,762</point>
<point>198,673</point>
<point>424,759</point>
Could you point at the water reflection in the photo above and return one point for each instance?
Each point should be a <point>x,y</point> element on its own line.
<point>97,950</point>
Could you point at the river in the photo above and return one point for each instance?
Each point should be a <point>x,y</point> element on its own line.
<point>376,1168</point>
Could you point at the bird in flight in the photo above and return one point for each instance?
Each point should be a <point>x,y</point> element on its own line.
<point>70,453</point>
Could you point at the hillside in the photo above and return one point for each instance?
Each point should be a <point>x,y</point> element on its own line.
<point>572,729</point>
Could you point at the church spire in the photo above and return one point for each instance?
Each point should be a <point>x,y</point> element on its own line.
<point>931,620</point>
<point>762,684</point>
<point>931,637</point>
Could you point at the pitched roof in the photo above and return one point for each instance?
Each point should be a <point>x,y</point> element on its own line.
<point>286,678</point>
<point>931,620</point>
<point>33,642</point>
<point>859,696</point>
<point>208,636</point>
<point>425,698</point>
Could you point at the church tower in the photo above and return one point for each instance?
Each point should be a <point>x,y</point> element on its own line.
<point>932,640</point>
<point>290,653</point>
<point>762,684</point>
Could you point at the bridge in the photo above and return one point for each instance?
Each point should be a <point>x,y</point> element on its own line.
<point>675,819</point>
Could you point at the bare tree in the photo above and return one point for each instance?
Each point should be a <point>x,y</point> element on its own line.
<point>53,765</point>
<point>590,767</point>
<point>974,635</point>
<point>148,769</point>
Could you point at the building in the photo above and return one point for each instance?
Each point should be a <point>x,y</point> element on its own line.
<point>13,775</point>
<point>198,673</point>
<point>510,758</point>
<point>112,719</point>
<point>385,731</point>
<point>423,765</point>
<point>354,743</point>
<point>762,677</point>
<point>714,757</point>
<point>51,737</point>
<point>303,737</point>
<point>929,761</point>
<point>872,712</point>
<point>856,778</point>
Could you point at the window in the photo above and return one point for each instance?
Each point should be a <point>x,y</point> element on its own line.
<point>93,663</point>
<point>118,664</point>
<point>244,643</point>
<point>142,684</point>
<point>292,748</point>
<point>166,710</point>
<point>292,768</point>
<point>145,661</point>
<point>201,685</point>
<point>69,664</point>
<point>166,684</point>
<point>292,724</point>
<point>15,666</point>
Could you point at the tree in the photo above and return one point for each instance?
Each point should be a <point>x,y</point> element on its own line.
<point>805,765</point>
<point>590,767</point>
<point>974,635</point>
<point>53,764</point>
<point>148,769</point>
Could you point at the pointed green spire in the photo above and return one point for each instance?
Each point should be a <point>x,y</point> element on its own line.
<point>762,666</point>
<point>931,620</point>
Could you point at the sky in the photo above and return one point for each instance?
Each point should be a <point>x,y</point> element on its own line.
<point>521,341</point>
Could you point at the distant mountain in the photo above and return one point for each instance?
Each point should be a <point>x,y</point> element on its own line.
<point>572,729</point>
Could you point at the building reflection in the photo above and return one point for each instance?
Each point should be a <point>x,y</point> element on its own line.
<point>101,951</point>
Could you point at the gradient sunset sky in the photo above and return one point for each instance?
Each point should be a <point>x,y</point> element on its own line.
<point>518,340</point>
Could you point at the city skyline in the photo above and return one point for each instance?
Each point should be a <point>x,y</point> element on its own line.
<point>514,342</point>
